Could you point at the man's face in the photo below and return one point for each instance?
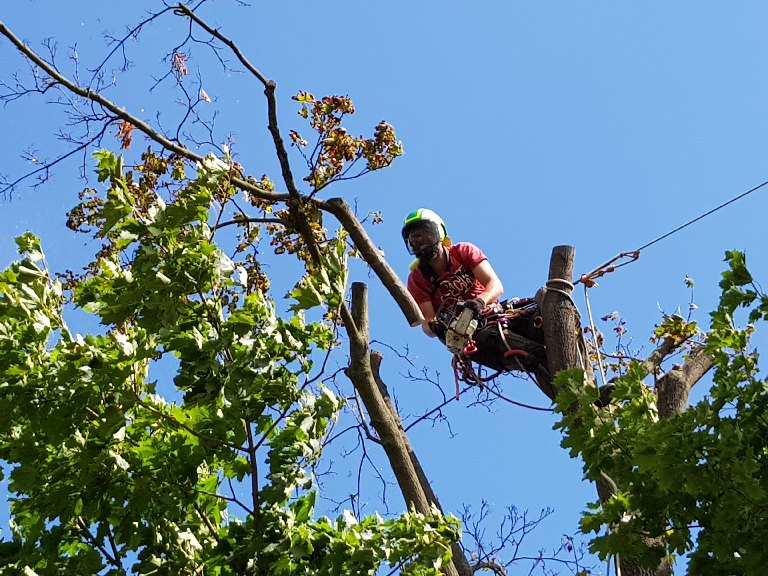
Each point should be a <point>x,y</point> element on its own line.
<point>424,241</point>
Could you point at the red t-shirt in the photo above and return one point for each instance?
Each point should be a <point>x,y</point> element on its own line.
<point>457,283</point>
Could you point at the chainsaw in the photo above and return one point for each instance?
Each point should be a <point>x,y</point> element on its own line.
<point>460,331</point>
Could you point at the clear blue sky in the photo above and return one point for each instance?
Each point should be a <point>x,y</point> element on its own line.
<point>525,125</point>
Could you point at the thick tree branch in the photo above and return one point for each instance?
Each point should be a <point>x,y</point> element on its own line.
<point>560,326</point>
<point>373,257</point>
<point>652,363</point>
<point>631,567</point>
<point>561,335</point>
<point>376,359</point>
<point>675,385</point>
<point>360,373</point>
<point>277,138</point>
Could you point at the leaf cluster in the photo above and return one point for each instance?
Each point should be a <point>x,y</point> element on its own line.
<point>113,471</point>
<point>337,151</point>
<point>696,483</point>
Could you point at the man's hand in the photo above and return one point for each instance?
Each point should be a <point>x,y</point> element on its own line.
<point>476,305</point>
<point>437,329</point>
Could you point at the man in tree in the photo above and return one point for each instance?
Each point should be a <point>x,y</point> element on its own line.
<point>457,291</point>
<point>445,273</point>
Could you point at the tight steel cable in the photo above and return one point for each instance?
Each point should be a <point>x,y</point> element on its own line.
<point>723,205</point>
<point>589,279</point>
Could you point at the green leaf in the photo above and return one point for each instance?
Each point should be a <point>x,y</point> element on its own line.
<point>109,165</point>
<point>29,245</point>
<point>737,275</point>
<point>126,439</point>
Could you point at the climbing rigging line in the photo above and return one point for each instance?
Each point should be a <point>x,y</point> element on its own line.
<point>472,378</point>
<point>594,337</point>
<point>462,369</point>
<point>625,258</point>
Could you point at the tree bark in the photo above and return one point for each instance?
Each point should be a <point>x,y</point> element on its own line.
<point>363,372</point>
<point>561,329</point>
<point>374,258</point>
<point>674,387</point>
<point>562,336</point>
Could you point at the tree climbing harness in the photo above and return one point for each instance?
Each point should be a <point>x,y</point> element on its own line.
<point>507,337</point>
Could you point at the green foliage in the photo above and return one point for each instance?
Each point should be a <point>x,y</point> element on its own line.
<point>325,285</point>
<point>674,326</point>
<point>696,483</point>
<point>112,472</point>
<point>349,546</point>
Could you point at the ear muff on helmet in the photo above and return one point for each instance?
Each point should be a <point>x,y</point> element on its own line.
<point>426,219</point>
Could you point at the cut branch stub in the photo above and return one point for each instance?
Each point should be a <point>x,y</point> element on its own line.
<point>561,328</point>
<point>363,372</point>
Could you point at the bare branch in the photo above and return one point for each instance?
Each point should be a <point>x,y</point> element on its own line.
<point>269,91</point>
<point>437,410</point>
<point>249,220</point>
<point>44,171</point>
<point>113,560</point>
<point>508,540</point>
<point>96,97</point>
<point>232,499</point>
<point>119,44</point>
<point>182,10</point>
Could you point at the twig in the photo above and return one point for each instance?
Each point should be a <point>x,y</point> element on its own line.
<point>8,187</point>
<point>254,469</point>
<point>249,221</point>
<point>114,560</point>
<point>120,113</point>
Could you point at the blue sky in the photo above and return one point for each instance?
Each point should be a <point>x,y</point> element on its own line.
<point>525,124</point>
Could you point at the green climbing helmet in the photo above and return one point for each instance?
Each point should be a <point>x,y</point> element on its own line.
<point>425,218</point>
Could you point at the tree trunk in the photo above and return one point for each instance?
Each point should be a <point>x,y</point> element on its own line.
<point>363,371</point>
<point>561,328</point>
<point>562,336</point>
